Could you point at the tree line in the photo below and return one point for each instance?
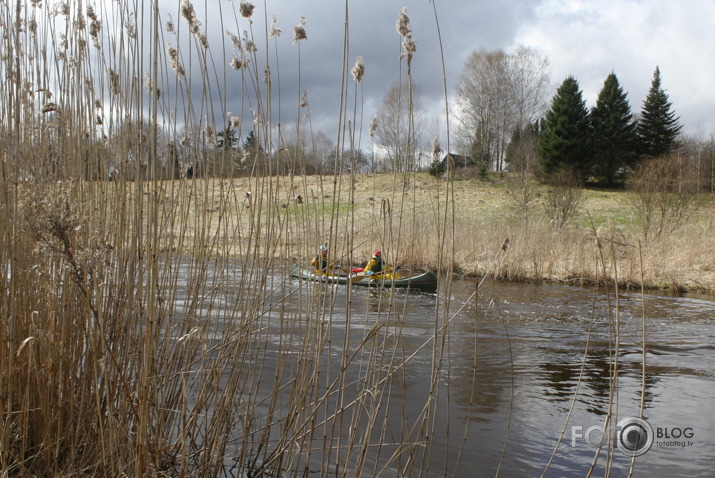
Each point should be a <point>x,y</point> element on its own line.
<point>504,121</point>
<point>604,142</point>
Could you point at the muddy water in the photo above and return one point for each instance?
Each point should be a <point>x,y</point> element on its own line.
<point>526,368</point>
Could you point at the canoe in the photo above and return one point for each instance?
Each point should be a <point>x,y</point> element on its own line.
<point>426,281</point>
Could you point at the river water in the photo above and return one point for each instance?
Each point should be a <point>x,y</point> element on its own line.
<point>547,327</point>
<point>525,368</point>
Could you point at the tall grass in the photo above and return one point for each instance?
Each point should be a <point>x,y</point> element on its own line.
<point>147,328</point>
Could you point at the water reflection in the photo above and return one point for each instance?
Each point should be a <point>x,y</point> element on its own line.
<point>517,367</point>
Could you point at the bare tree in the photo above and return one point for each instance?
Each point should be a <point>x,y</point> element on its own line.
<point>530,82</point>
<point>563,198</point>
<point>478,93</point>
<point>663,192</point>
<point>308,154</point>
<point>498,93</point>
<point>321,152</point>
<point>700,153</point>
<point>522,190</point>
<point>521,152</point>
<point>400,124</point>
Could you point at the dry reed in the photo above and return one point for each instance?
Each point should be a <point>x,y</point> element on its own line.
<point>147,325</point>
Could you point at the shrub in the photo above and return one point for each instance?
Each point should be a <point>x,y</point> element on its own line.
<point>663,192</point>
<point>563,198</point>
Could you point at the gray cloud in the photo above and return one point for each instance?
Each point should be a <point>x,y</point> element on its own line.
<point>371,33</point>
<point>587,39</point>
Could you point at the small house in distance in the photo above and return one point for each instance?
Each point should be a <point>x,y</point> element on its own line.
<point>458,161</point>
<point>455,162</point>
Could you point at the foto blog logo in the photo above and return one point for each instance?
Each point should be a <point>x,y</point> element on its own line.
<point>633,436</point>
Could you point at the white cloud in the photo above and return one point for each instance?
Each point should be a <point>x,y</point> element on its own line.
<point>589,39</point>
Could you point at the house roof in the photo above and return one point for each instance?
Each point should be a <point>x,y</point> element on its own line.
<point>459,160</point>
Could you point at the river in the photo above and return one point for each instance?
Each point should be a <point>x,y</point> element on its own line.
<point>524,367</point>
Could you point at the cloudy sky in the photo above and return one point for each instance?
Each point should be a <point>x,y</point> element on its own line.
<point>585,38</point>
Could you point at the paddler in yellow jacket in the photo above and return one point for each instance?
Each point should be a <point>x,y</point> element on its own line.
<point>377,269</point>
<point>321,263</point>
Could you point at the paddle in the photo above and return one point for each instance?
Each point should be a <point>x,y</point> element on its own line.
<point>356,277</point>
<point>388,273</point>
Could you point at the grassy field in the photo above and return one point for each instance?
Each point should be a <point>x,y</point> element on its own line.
<point>458,226</point>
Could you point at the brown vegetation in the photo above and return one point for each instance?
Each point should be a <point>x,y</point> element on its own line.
<point>403,218</point>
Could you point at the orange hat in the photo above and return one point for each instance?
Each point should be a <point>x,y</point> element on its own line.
<point>378,252</point>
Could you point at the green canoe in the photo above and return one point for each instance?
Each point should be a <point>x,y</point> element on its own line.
<point>426,281</point>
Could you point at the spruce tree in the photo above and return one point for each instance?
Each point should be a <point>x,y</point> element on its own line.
<point>565,140</point>
<point>614,132</point>
<point>658,127</point>
<point>251,145</point>
<point>227,138</point>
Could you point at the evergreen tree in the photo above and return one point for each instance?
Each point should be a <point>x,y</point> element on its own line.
<point>253,155</point>
<point>227,138</point>
<point>251,144</point>
<point>658,126</point>
<point>614,132</point>
<point>565,140</point>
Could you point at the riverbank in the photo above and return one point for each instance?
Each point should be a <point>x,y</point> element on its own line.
<point>465,226</point>
<point>603,242</point>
